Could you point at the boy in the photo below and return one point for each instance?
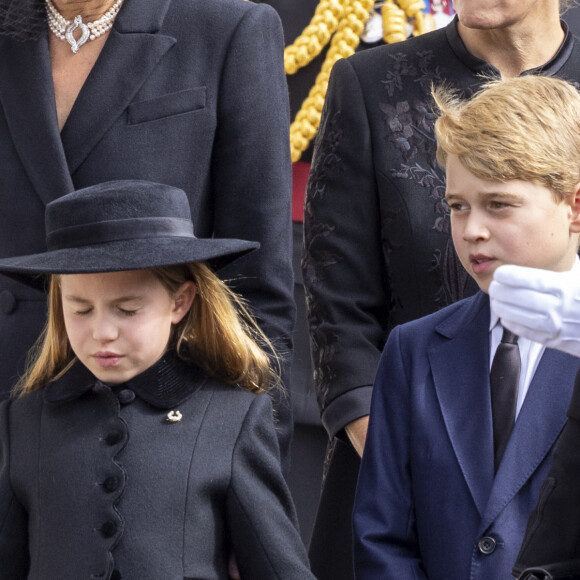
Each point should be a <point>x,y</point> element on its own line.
<point>446,485</point>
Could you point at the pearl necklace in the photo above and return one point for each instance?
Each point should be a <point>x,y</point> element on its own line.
<point>64,29</point>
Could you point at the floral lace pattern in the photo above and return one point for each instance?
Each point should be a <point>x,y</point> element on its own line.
<point>325,158</point>
<point>410,128</point>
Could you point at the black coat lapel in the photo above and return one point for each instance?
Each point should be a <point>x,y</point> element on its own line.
<point>132,51</point>
<point>27,98</point>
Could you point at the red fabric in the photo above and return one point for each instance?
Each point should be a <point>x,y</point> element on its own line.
<point>300,171</point>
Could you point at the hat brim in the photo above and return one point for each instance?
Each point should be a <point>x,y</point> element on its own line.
<point>122,255</point>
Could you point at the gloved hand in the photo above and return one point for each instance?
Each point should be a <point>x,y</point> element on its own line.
<point>541,305</point>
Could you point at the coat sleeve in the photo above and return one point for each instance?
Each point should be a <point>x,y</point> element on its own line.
<point>14,555</point>
<point>343,267</point>
<point>385,537</point>
<point>261,515</point>
<point>251,173</point>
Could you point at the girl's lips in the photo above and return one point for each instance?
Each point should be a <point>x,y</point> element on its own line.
<point>107,359</point>
<point>480,263</point>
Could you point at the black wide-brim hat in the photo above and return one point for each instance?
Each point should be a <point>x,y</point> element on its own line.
<point>122,225</point>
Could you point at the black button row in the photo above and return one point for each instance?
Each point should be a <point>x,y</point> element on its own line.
<point>126,396</point>
<point>111,484</point>
<point>114,437</point>
<point>108,529</point>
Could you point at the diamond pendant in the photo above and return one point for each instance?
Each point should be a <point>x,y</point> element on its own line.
<point>76,44</point>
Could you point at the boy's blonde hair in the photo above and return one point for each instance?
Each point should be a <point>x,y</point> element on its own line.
<point>218,333</point>
<point>525,128</point>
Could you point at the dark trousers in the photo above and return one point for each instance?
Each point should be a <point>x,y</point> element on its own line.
<point>331,544</point>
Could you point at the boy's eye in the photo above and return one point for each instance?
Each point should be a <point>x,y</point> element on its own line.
<point>499,204</point>
<point>457,206</point>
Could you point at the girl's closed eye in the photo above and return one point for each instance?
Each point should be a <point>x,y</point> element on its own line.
<point>128,311</point>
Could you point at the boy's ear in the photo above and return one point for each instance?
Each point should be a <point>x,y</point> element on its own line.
<point>182,301</point>
<point>574,201</point>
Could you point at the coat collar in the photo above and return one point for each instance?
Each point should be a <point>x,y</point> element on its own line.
<point>134,48</point>
<point>480,66</point>
<point>142,16</point>
<point>166,384</point>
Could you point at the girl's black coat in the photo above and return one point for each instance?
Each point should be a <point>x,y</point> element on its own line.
<point>95,482</point>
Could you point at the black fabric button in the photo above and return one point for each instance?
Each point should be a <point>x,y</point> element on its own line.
<point>108,529</point>
<point>8,302</point>
<point>111,484</point>
<point>116,575</point>
<point>126,396</point>
<point>487,545</point>
<point>114,437</point>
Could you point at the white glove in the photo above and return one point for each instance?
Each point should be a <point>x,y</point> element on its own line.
<point>541,305</point>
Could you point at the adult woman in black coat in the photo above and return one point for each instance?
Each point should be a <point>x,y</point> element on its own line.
<point>186,92</point>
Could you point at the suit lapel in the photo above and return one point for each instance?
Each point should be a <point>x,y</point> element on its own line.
<point>460,367</point>
<point>539,423</point>
<point>132,51</point>
<point>27,98</point>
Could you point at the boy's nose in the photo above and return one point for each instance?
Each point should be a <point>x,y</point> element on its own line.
<point>475,229</point>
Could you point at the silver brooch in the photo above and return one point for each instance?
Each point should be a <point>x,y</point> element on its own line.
<point>174,416</point>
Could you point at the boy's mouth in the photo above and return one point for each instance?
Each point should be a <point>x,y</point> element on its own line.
<point>480,262</point>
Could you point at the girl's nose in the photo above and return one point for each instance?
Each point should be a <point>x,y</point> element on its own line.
<point>104,329</point>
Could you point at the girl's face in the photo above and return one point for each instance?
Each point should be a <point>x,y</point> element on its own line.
<point>119,323</point>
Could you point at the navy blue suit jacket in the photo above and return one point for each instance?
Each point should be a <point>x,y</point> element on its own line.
<point>428,504</point>
<point>191,93</point>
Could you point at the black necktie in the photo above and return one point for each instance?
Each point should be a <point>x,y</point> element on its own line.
<point>504,379</point>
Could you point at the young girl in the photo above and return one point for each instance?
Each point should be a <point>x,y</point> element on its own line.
<point>137,444</point>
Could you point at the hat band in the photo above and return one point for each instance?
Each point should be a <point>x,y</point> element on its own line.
<point>118,230</point>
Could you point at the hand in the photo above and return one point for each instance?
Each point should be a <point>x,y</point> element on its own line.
<point>233,571</point>
<point>541,305</point>
<point>357,433</point>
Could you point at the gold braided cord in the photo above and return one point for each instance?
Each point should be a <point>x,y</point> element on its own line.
<point>315,36</point>
<point>414,9</point>
<point>342,45</point>
<point>342,22</point>
<point>394,23</point>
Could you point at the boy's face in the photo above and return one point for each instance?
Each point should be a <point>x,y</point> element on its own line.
<point>516,222</point>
